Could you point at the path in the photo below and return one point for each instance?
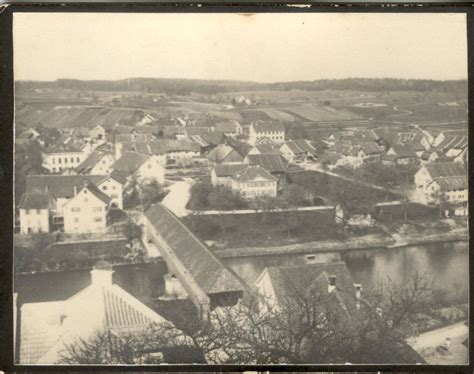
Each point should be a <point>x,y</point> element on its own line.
<point>178,197</point>
<point>403,112</point>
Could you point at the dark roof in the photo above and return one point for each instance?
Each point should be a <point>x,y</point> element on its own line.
<point>370,148</point>
<point>208,271</point>
<point>197,130</point>
<point>264,126</point>
<point>94,190</point>
<point>213,138</point>
<point>90,162</point>
<point>267,149</point>
<point>62,148</point>
<point>226,170</point>
<point>35,201</point>
<point>129,162</point>
<point>404,151</point>
<point>226,126</point>
<point>452,183</point>
<point>290,282</point>
<point>251,173</point>
<point>161,146</point>
<point>123,138</point>
<point>220,153</point>
<point>301,146</point>
<point>445,169</point>
<point>271,162</point>
<point>60,186</point>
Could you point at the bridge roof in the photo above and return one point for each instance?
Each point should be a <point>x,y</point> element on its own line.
<point>208,271</point>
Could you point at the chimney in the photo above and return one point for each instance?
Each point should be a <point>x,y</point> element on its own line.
<point>101,274</point>
<point>331,283</point>
<point>358,288</point>
<point>75,190</point>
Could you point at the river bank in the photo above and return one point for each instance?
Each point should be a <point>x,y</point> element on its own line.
<point>339,246</point>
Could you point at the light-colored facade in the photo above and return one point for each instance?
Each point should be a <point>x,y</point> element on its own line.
<point>256,186</point>
<point>57,162</point>
<point>85,213</point>
<point>34,221</point>
<point>257,133</point>
<point>114,190</point>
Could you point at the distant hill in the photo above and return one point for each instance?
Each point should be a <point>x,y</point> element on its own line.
<point>186,86</point>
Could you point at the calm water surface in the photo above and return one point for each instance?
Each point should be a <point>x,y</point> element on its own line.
<point>447,264</point>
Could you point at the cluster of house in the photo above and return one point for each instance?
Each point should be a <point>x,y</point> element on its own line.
<point>45,328</point>
<point>353,148</point>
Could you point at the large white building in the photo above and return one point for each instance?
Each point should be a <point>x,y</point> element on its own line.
<point>62,157</point>
<point>35,212</point>
<point>271,130</point>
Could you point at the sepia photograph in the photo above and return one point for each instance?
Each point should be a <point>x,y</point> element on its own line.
<point>240,188</point>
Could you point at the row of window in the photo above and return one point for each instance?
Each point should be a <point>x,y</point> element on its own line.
<point>65,160</point>
<point>257,184</point>
<point>105,188</point>
<point>32,211</point>
<point>96,219</point>
<point>94,209</point>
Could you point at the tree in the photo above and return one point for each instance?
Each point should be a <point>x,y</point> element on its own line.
<point>131,230</point>
<point>150,192</point>
<point>151,346</point>
<point>199,195</point>
<point>295,195</point>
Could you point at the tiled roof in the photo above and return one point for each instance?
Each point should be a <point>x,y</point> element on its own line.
<point>267,149</point>
<point>198,130</point>
<point>119,129</point>
<point>404,151</point>
<point>455,141</point>
<point>226,170</point>
<point>370,148</point>
<point>219,153</point>
<point>94,190</point>
<point>90,162</point>
<point>301,146</point>
<point>208,271</point>
<point>293,281</point>
<point>452,183</point>
<point>226,127</point>
<point>445,169</point>
<point>270,162</point>
<point>161,146</point>
<point>265,126</point>
<point>35,201</point>
<point>129,162</point>
<point>124,138</point>
<point>213,138</point>
<point>60,186</point>
<point>98,306</point>
<point>62,148</point>
<point>251,173</point>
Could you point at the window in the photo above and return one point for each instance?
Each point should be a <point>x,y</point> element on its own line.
<point>72,159</point>
<point>38,211</point>
<point>76,220</point>
<point>54,170</point>
<point>97,219</point>
<point>97,209</point>
<point>114,196</point>
<point>59,160</point>
<point>27,211</point>
<point>104,188</point>
<point>113,188</point>
<point>54,160</point>
<point>86,200</point>
<point>75,209</point>
<point>77,159</point>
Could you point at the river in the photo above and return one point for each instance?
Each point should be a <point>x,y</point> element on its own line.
<point>447,264</point>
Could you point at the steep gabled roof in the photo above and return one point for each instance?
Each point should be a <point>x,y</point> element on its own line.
<point>226,170</point>
<point>129,162</point>
<point>35,201</point>
<point>273,163</point>
<point>371,148</point>
<point>208,271</point>
<point>445,169</point>
<point>60,186</point>
<point>251,173</point>
<point>219,153</point>
<point>90,162</point>
<point>404,151</point>
<point>452,183</point>
<point>301,146</point>
<point>453,141</point>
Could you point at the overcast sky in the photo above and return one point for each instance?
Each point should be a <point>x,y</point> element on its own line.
<point>260,47</point>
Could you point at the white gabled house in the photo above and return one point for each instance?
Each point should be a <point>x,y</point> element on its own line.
<point>86,212</point>
<point>97,163</point>
<point>145,167</point>
<point>254,182</point>
<point>98,134</point>
<point>61,157</point>
<point>298,151</point>
<point>222,174</point>
<point>35,212</point>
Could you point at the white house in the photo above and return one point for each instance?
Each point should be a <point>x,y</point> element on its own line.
<point>86,212</point>
<point>273,130</point>
<point>145,167</point>
<point>61,157</point>
<point>254,182</point>
<point>47,327</point>
<point>455,189</point>
<point>98,134</point>
<point>35,212</point>
<point>97,163</point>
<point>425,190</point>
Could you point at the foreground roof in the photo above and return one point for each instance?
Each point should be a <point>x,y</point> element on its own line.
<point>452,183</point>
<point>35,201</point>
<point>208,271</point>
<point>60,186</point>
